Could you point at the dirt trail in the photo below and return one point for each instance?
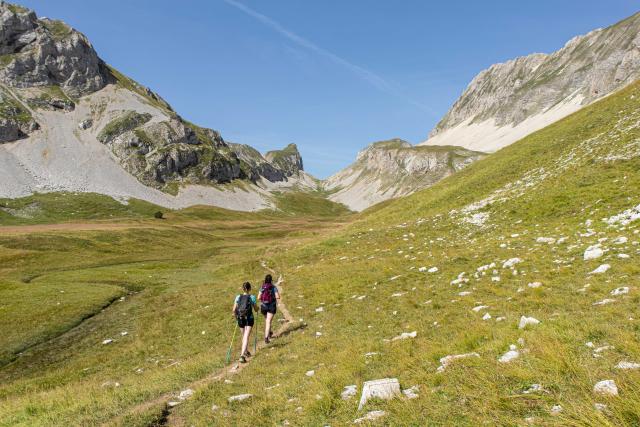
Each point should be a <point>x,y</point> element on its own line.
<point>72,226</point>
<point>168,418</point>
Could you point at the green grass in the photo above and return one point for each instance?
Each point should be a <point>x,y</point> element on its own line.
<point>11,109</point>
<point>58,29</point>
<point>308,204</point>
<point>129,84</point>
<point>15,8</point>
<point>6,59</point>
<point>126,122</point>
<point>180,274</point>
<point>66,207</point>
<point>392,241</point>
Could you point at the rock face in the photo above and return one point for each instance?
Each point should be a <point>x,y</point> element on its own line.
<point>42,52</point>
<point>511,100</point>
<point>51,77</point>
<point>395,168</point>
<point>288,159</point>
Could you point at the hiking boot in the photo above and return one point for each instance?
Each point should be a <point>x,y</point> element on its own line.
<point>247,354</point>
<point>243,359</point>
<point>266,340</point>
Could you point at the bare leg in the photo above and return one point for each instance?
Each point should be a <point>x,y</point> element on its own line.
<point>245,339</point>
<point>267,326</point>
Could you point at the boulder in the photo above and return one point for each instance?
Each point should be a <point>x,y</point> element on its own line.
<point>385,389</point>
<point>371,416</point>
<point>240,398</point>
<point>526,321</point>
<point>606,387</point>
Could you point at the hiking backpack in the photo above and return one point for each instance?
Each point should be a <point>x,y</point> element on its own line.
<point>267,293</point>
<point>244,307</point>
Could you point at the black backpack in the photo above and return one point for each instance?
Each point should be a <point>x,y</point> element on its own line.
<point>244,307</point>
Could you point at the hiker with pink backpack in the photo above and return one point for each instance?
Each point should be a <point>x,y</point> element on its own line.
<point>268,297</point>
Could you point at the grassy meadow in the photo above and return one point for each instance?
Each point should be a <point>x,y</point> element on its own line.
<point>458,263</point>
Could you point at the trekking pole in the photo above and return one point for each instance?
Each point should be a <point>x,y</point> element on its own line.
<point>255,337</point>
<point>231,344</point>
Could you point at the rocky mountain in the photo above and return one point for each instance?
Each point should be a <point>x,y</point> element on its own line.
<point>511,100</point>
<point>289,159</point>
<point>69,122</point>
<point>394,168</point>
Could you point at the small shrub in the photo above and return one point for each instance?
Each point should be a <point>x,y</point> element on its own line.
<point>158,215</point>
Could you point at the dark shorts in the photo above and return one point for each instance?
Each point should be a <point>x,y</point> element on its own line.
<point>268,308</point>
<point>245,322</point>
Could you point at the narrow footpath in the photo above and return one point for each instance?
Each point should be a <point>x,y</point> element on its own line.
<point>170,419</point>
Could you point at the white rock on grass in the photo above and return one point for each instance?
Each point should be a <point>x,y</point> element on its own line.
<point>593,252</point>
<point>405,335</point>
<point>620,240</point>
<point>556,410</point>
<point>534,388</point>
<point>319,309</point>
<point>107,341</point>
<point>349,391</point>
<point>602,269</point>
<point>601,407</point>
<point>384,389</point>
<point>509,356</point>
<point>411,392</point>
<point>606,387</point>
<point>623,256</point>
<point>486,316</point>
<point>447,360</point>
<point>240,397</point>
<point>310,373</point>
<point>371,416</point>
<point>526,321</point>
<point>620,291</point>
<point>604,301</point>
<point>480,307</point>
<point>534,285</point>
<point>510,263</point>
<point>628,366</point>
<point>433,270</point>
<point>549,240</point>
<point>185,394</point>
<point>422,269</point>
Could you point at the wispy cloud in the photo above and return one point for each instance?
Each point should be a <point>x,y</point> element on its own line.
<point>370,77</point>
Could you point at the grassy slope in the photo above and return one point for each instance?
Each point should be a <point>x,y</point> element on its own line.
<point>177,277</point>
<point>578,185</point>
<point>185,271</point>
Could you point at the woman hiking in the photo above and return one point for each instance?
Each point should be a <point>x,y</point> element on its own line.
<point>269,296</point>
<point>243,308</point>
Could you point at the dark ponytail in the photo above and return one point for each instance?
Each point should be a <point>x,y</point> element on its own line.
<point>246,286</point>
<point>268,279</point>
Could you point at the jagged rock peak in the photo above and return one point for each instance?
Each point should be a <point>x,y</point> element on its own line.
<point>288,159</point>
<point>45,52</point>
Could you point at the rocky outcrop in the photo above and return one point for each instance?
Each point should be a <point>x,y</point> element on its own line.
<point>256,165</point>
<point>390,169</point>
<point>43,52</point>
<point>16,121</point>
<point>47,66</point>
<point>511,100</point>
<point>288,159</point>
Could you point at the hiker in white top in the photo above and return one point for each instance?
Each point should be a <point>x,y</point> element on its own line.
<point>268,296</point>
<point>243,308</point>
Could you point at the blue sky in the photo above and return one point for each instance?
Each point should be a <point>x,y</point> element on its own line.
<point>330,75</point>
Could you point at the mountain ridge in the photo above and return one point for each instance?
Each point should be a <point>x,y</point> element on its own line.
<point>509,100</point>
<point>51,77</point>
